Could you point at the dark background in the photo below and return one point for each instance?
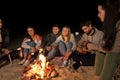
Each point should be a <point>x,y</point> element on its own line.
<point>17,15</point>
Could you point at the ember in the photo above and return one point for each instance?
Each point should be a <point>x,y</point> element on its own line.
<point>40,69</point>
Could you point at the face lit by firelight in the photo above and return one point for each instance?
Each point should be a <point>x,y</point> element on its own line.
<point>101,12</point>
<point>31,31</point>
<point>55,30</point>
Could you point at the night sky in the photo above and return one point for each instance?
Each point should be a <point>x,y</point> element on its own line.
<point>17,15</point>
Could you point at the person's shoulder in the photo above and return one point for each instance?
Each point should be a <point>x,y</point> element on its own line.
<point>98,30</point>
<point>49,34</point>
<point>59,33</point>
<point>38,36</point>
<point>26,39</point>
<point>60,36</point>
<point>83,34</point>
<point>99,33</point>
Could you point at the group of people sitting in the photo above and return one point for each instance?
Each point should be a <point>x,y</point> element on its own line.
<point>62,43</point>
<point>94,47</point>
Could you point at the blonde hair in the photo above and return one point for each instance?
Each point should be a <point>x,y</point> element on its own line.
<point>69,33</point>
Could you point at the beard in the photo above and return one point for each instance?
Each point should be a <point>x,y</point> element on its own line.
<point>89,32</point>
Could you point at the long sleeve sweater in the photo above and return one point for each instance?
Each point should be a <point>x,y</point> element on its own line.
<point>72,39</point>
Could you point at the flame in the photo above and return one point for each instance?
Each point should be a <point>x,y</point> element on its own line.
<point>38,68</point>
<point>43,65</point>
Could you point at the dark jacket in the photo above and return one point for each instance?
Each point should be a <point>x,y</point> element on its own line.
<point>5,37</point>
<point>49,39</point>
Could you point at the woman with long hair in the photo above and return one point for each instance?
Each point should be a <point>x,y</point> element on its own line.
<point>106,64</point>
<point>65,44</point>
<point>30,44</point>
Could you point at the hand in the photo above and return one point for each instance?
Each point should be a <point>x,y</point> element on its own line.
<point>33,49</point>
<point>48,48</point>
<point>90,46</point>
<point>79,49</point>
<point>82,50</point>
<point>19,48</point>
<point>85,50</point>
<point>6,51</point>
<point>67,54</point>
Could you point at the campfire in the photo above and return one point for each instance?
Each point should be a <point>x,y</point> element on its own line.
<point>40,69</point>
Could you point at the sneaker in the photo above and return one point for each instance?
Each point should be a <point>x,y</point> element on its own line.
<point>27,62</point>
<point>69,61</point>
<point>22,61</point>
<point>65,63</point>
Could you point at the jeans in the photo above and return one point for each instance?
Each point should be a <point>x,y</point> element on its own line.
<point>28,50</point>
<point>86,59</point>
<point>62,48</point>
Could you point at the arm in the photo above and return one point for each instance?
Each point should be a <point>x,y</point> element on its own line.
<point>24,44</point>
<point>82,40</point>
<point>68,53</point>
<point>81,47</point>
<point>98,46</point>
<point>6,41</point>
<point>54,44</point>
<point>38,41</point>
<point>6,36</point>
<point>45,40</point>
<point>91,46</point>
<point>74,42</point>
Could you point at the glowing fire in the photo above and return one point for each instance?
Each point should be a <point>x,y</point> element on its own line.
<point>38,68</point>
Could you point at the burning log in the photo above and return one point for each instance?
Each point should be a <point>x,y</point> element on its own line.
<point>50,72</point>
<point>39,70</point>
<point>53,73</point>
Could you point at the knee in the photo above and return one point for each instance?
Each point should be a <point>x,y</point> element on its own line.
<point>53,50</point>
<point>61,43</point>
<point>70,44</point>
<point>25,50</point>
